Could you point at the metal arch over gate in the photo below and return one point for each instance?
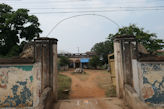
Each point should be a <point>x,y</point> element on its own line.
<point>99,15</point>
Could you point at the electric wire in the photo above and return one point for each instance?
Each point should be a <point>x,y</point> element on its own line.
<point>59,8</point>
<point>60,12</point>
<point>94,9</point>
<point>75,1</point>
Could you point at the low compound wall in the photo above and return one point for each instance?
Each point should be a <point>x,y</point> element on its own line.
<point>153,82</point>
<point>148,83</point>
<point>139,76</point>
<point>132,99</point>
<point>147,91</point>
<point>20,85</point>
<point>26,82</point>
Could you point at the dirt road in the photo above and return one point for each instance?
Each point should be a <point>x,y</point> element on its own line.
<point>88,92</point>
<point>86,85</point>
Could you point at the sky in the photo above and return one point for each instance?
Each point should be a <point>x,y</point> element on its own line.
<point>83,32</point>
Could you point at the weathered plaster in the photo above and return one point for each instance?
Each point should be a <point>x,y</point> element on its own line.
<point>153,82</point>
<point>36,83</point>
<point>118,69</point>
<point>136,78</point>
<point>19,85</point>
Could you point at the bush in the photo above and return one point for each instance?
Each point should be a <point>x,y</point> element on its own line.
<point>95,62</point>
<point>63,61</point>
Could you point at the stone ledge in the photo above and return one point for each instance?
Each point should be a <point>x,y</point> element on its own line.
<point>16,61</point>
<point>152,59</point>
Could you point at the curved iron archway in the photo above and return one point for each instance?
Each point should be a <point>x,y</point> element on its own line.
<point>80,16</point>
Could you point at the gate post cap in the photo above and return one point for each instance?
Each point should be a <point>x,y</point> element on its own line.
<point>125,37</point>
<point>46,39</point>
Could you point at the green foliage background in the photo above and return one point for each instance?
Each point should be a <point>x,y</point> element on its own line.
<point>63,61</point>
<point>147,39</point>
<point>16,25</point>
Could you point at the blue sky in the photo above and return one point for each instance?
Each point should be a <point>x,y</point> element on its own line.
<point>85,31</point>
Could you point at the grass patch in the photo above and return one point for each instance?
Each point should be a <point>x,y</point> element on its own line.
<point>105,83</point>
<point>64,86</point>
<point>111,92</point>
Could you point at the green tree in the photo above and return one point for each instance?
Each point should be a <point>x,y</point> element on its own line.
<point>63,61</point>
<point>148,40</point>
<point>95,61</point>
<point>16,25</point>
<point>102,50</point>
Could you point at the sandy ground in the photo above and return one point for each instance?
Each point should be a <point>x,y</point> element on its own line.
<point>85,86</point>
<point>87,94</point>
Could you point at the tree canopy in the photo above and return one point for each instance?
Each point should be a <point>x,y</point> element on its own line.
<point>16,28</point>
<point>95,61</point>
<point>148,40</point>
<point>63,61</point>
<point>102,50</point>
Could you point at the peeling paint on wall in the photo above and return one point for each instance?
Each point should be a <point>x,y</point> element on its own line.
<point>153,82</point>
<point>22,98</point>
<point>20,85</point>
<point>3,79</point>
<point>16,82</point>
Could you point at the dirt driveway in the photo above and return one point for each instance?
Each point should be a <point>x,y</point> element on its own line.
<point>88,92</point>
<point>85,85</point>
